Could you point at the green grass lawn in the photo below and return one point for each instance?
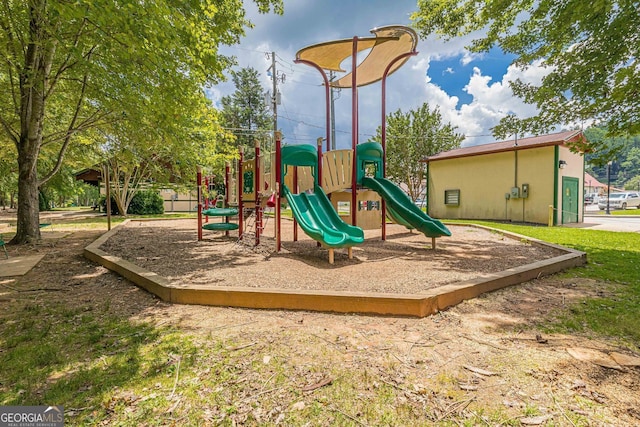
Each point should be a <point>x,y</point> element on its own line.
<point>616,212</point>
<point>614,259</point>
<point>626,212</point>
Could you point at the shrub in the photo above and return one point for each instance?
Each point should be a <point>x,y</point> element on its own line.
<point>102,202</point>
<point>44,203</point>
<point>146,202</point>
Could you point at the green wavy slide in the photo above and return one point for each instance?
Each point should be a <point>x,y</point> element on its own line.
<point>402,209</point>
<point>320,221</point>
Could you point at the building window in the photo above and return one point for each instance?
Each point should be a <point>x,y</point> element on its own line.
<point>452,197</point>
<point>344,208</point>
<point>368,205</point>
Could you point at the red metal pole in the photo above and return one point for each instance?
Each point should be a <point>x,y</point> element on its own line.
<point>384,133</point>
<point>227,168</point>
<point>278,191</point>
<point>354,128</point>
<point>327,94</point>
<point>206,199</point>
<point>240,187</point>
<point>319,173</point>
<point>199,195</point>
<point>295,191</point>
<point>257,188</point>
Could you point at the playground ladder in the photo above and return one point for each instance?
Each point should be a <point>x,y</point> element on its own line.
<point>250,227</point>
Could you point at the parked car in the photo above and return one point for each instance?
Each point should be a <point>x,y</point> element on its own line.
<point>620,201</point>
<point>590,198</point>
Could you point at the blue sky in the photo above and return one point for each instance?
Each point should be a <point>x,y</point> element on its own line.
<point>471,91</point>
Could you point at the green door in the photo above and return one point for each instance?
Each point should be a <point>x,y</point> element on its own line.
<point>569,200</point>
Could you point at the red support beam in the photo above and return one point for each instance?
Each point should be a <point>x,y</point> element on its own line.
<point>384,133</point>
<point>227,169</point>
<point>279,184</point>
<point>240,187</point>
<point>257,188</point>
<point>199,196</point>
<point>354,129</point>
<point>295,191</point>
<point>327,94</point>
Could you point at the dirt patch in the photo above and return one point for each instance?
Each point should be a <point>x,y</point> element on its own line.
<point>484,355</point>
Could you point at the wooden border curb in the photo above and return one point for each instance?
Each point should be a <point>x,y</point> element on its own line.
<point>412,305</point>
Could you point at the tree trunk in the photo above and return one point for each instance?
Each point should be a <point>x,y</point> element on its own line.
<point>33,84</point>
<point>28,224</point>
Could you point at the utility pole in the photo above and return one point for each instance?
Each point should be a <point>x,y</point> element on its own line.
<point>274,103</point>
<point>332,76</point>
<point>275,94</point>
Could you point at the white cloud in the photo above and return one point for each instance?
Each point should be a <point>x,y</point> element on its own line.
<point>493,101</point>
<point>468,57</point>
<point>302,112</point>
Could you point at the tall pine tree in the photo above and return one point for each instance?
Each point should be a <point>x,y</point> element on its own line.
<point>244,113</point>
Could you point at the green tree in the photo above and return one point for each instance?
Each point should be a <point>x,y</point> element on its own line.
<point>141,155</point>
<point>411,137</point>
<point>244,111</point>
<point>63,187</point>
<point>69,67</point>
<point>603,147</point>
<point>622,151</point>
<point>630,166</point>
<point>590,49</point>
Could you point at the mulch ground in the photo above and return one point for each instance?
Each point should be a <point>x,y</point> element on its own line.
<point>404,263</point>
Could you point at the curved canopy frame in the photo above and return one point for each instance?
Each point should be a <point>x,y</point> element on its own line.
<point>390,47</point>
<point>386,45</point>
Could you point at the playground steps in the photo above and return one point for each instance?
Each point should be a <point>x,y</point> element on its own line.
<point>220,212</point>
<point>220,226</point>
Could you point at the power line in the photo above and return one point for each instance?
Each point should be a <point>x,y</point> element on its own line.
<point>245,49</point>
<point>246,129</point>
<point>304,83</point>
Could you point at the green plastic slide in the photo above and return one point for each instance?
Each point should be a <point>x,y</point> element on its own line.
<point>319,220</point>
<point>402,209</point>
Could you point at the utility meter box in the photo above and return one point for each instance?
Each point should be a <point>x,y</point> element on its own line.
<point>525,191</point>
<point>515,192</point>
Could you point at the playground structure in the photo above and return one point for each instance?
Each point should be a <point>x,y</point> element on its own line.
<point>248,190</point>
<point>305,176</point>
<point>339,170</point>
<point>314,184</point>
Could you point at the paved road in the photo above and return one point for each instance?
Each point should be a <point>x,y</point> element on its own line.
<point>595,220</point>
<point>612,223</point>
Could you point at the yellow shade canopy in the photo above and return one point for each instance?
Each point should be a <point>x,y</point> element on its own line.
<point>387,45</point>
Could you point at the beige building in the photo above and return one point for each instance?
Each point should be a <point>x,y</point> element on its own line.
<point>592,185</point>
<point>524,180</point>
